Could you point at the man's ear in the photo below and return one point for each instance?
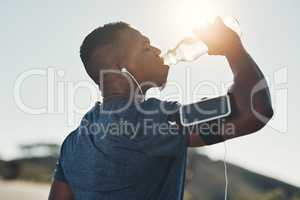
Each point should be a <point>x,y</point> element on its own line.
<point>104,56</point>
<point>101,58</point>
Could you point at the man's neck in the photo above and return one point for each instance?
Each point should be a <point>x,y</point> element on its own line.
<point>119,87</point>
<point>130,96</point>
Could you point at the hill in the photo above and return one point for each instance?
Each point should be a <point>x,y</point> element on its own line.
<point>204,179</point>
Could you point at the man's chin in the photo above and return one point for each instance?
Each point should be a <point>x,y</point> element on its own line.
<point>164,77</point>
<point>162,86</point>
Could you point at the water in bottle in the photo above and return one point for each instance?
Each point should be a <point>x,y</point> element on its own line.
<point>191,48</point>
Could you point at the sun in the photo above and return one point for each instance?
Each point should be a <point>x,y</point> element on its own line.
<point>190,14</point>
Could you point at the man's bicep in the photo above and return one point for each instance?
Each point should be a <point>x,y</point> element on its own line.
<point>240,126</point>
<point>60,191</point>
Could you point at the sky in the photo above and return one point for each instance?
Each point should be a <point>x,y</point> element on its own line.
<point>45,90</point>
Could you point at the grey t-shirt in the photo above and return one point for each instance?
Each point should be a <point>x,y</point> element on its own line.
<point>124,151</point>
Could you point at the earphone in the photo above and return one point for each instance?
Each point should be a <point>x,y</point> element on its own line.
<point>124,70</point>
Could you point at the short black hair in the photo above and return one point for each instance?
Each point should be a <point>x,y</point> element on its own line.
<point>103,35</point>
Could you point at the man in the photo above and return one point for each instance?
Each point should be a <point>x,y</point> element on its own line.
<point>103,160</point>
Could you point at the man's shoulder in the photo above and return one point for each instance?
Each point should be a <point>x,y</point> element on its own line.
<point>69,139</point>
<point>162,104</point>
<point>162,107</point>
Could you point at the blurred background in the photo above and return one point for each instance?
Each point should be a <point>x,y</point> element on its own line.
<point>46,91</point>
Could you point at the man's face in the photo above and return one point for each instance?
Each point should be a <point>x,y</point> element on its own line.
<point>143,60</point>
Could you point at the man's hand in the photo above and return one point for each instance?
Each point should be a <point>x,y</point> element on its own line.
<point>219,38</point>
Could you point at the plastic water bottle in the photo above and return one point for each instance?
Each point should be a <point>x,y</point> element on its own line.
<point>191,48</point>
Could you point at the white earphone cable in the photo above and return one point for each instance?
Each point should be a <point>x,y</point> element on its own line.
<point>225,171</point>
<point>124,70</point>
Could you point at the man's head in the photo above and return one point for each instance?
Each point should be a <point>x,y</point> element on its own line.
<point>117,45</point>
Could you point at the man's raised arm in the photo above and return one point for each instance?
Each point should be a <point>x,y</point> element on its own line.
<point>249,94</point>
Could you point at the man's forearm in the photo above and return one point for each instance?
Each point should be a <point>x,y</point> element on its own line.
<point>244,68</point>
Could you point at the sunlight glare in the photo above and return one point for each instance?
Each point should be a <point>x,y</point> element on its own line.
<point>192,14</point>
